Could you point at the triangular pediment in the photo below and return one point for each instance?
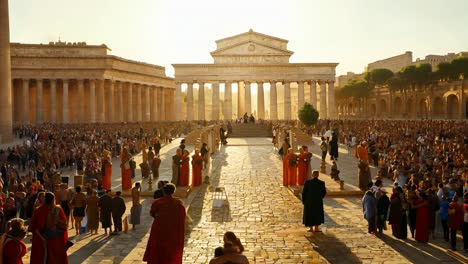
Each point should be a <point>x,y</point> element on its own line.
<point>251,48</point>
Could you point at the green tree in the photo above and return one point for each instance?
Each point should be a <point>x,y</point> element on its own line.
<point>308,115</point>
<point>378,77</point>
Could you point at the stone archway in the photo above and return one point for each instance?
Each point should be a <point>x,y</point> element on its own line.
<point>452,107</point>
<point>423,108</point>
<point>409,108</point>
<point>438,107</point>
<point>383,107</point>
<point>373,110</point>
<point>398,107</point>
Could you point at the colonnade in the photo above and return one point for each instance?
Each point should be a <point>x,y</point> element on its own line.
<point>325,103</point>
<point>90,101</point>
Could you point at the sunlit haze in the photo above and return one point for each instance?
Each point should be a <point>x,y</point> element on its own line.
<point>350,32</point>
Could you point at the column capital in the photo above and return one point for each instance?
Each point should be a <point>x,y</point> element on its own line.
<point>330,82</point>
<point>272,81</point>
<point>247,82</point>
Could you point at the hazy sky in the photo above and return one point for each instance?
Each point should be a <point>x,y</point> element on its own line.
<point>350,32</point>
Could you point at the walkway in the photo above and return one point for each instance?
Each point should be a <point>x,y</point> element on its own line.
<point>246,196</point>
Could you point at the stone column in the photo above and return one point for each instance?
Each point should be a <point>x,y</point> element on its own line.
<point>300,94</point>
<point>6,112</point>
<point>120,104</point>
<point>273,101</point>
<point>331,100</point>
<point>287,100</point>
<point>155,104</point>
<point>92,101</point>
<point>39,110</point>
<point>248,99</point>
<point>228,100</point>
<point>189,101</point>
<point>215,101</point>
<point>111,102</point>
<point>26,101</point>
<point>53,100</point>
<point>260,101</point>
<point>147,103</point>
<point>178,101</point>
<point>323,100</point>
<point>130,102</point>
<point>81,99</point>
<point>101,109</point>
<point>240,100</point>
<point>313,94</point>
<point>138,101</point>
<point>201,101</point>
<point>65,106</point>
<point>163,104</point>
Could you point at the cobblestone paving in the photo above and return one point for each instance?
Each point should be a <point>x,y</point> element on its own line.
<point>246,196</point>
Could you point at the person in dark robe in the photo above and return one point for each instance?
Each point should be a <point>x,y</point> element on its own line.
<point>383,204</point>
<point>160,191</point>
<point>397,217</point>
<point>157,147</point>
<point>312,197</point>
<point>176,162</point>
<point>105,206</point>
<point>118,209</point>
<point>166,242</point>
<point>334,147</point>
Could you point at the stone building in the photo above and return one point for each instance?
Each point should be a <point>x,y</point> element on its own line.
<point>394,63</point>
<point>79,83</point>
<point>247,61</point>
<point>444,100</point>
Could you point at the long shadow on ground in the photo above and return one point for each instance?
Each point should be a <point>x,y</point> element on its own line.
<point>332,249</point>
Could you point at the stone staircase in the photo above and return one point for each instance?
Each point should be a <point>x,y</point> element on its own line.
<point>250,130</point>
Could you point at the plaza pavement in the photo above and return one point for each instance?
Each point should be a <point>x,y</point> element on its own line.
<point>246,196</point>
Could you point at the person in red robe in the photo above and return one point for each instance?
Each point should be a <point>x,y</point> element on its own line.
<point>107,170</point>
<point>184,179</point>
<point>125,157</point>
<point>285,170</point>
<point>49,229</point>
<point>422,218</point>
<point>197,166</point>
<point>291,165</point>
<point>166,240</point>
<point>11,243</point>
<point>302,166</point>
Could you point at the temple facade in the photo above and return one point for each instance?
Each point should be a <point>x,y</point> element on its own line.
<point>79,83</point>
<point>251,74</point>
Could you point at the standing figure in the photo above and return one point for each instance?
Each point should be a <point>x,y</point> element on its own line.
<point>397,216</point>
<point>155,166</point>
<point>363,166</point>
<point>106,170</point>
<point>422,218</point>
<point>302,166</point>
<point>334,147</point>
<point>312,198</point>
<point>184,179</point>
<point>126,170</point>
<point>197,166</point>
<point>135,211</point>
<point>324,148</point>
<point>204,152</point>
<point>49,228</point>
<point>369,208</point>
<point>176,162</point>
<point>92,212</point>
<point>14,249</point>
<point>79,205</point>
<point>166,241</point>
<point>291,165</point>
<point>105,206</point>
<point>118,209</point>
